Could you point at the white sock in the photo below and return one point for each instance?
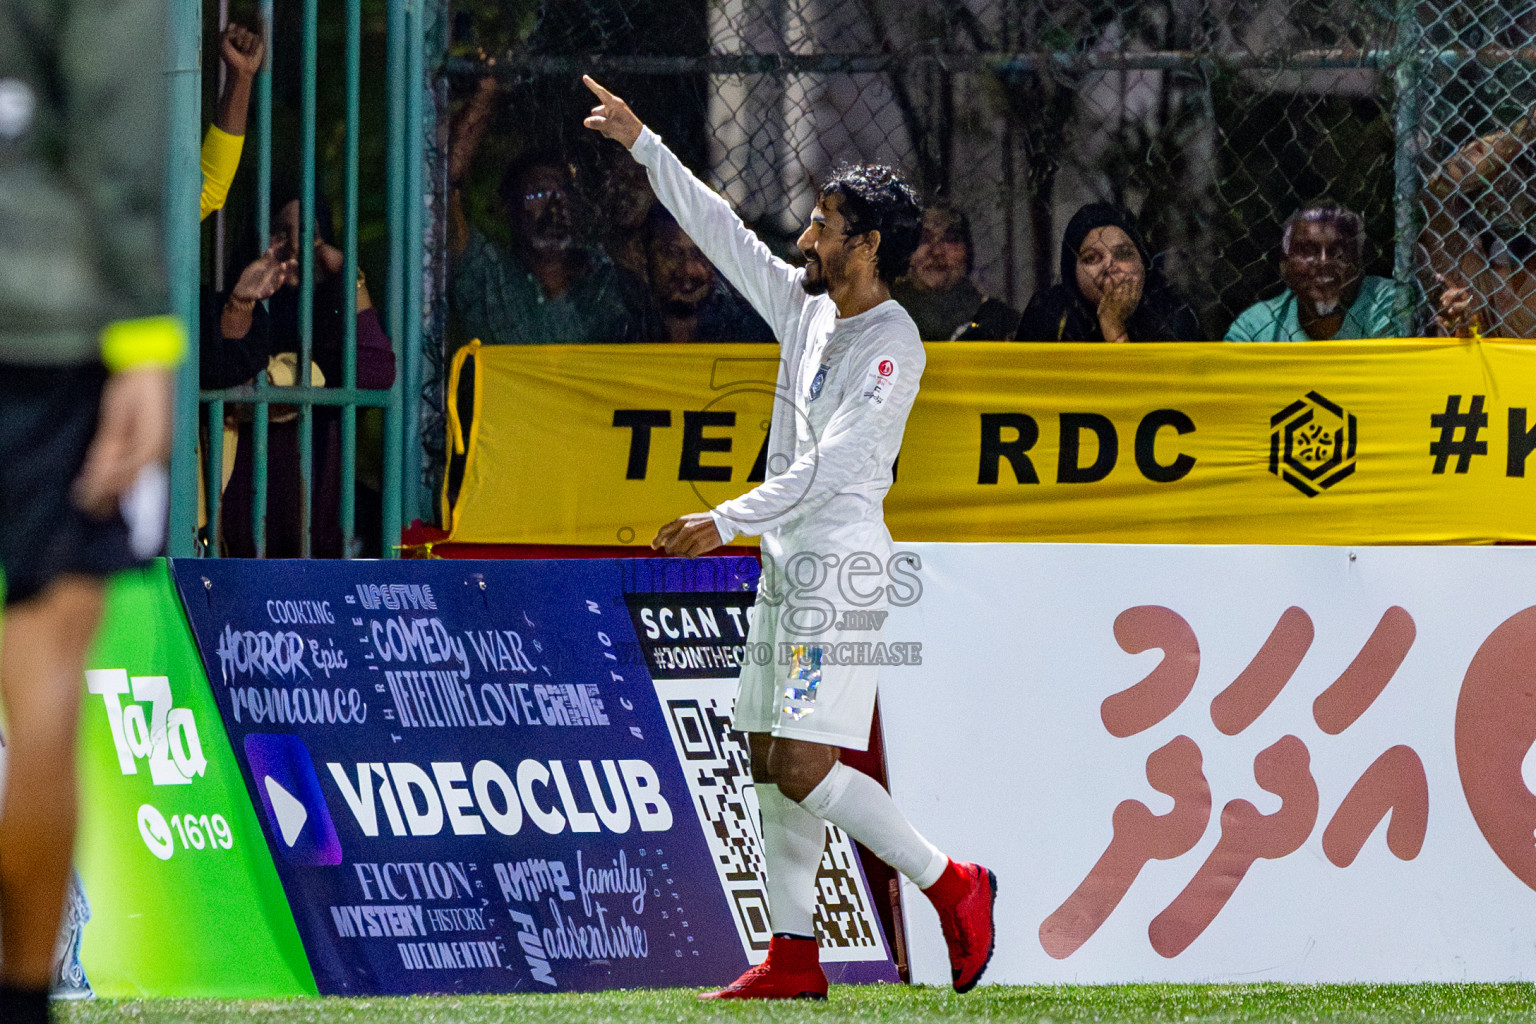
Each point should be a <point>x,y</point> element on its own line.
<point>861,807</point>
<point>793,839</point>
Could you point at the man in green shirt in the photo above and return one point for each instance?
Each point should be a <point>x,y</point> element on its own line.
<point>546,286</point>
<point>543,285</point>
<point>1326,295</point>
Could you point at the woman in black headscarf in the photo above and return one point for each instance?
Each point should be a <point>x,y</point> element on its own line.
<point>273,335</point>
<point>1109,289</point>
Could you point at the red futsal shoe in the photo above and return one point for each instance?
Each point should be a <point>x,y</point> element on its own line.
<point>964,896</point>
<point>792,971</point>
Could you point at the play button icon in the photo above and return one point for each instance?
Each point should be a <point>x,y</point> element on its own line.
<point>287,809</point>
<point>284,781</point>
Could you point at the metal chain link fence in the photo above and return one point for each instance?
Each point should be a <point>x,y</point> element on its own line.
<point>1475,76</point>
<point>1212,120</point>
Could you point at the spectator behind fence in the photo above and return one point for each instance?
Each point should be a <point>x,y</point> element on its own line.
<point>242,51</point>
<point>545,285</point>
<point>1110,290</point>
<point>625,201</point>
<point>681,298</point>
<point>1322,248</point>
<point>1480,239</point>
<point>938,290</point>
<point>268,340</point>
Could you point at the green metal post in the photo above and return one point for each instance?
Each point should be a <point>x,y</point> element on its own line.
<point>183,258</point>
<point>264,134</point>
<point>260,410</point>
<point>1407,75</point>
<point>349,274</point>
<point>260,420</point>
<point>307,117</point>
<point>415,155</point>
<point>397,83</point>
<point>213,474</point>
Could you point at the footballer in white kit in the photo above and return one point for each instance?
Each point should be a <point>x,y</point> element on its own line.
<point>849,370</point>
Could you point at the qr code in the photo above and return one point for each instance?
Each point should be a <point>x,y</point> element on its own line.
<point>716,764</point>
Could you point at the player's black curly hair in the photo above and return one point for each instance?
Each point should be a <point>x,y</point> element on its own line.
<point>875,198</point>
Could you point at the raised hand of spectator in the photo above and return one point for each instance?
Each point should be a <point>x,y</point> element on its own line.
<point>612,116</point>
<point>1455,317</point>
<point>1121,296</point>
<point>333,260</point>
<point>264,276</point>
<point>329,257</point>
<point>260,280</point>
<point>464,135</point>
<point>468,128</point>
<point>242,50</point>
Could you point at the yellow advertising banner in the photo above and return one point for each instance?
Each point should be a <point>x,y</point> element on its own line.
<point>1373,442</point>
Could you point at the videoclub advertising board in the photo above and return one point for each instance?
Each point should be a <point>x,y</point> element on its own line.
<point>506,776</point>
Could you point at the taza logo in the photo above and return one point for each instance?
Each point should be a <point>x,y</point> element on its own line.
<point>166,736</point>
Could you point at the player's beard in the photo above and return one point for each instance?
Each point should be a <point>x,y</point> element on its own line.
<point>819,274</point>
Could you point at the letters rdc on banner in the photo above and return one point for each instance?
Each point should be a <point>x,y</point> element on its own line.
<point>1405,442</point>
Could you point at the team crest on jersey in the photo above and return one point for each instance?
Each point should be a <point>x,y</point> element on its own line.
<point>819,381</point>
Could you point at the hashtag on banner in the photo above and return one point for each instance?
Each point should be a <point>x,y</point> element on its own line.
<point>1452,420</point>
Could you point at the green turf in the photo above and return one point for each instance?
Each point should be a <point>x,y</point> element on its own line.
<point>893,1004</point>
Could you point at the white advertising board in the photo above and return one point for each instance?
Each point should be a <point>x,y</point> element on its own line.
<point>1225,763</point>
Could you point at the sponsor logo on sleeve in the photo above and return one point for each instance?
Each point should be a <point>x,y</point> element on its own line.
<point>879,381</point>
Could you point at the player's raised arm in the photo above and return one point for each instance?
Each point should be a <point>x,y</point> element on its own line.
<point>770,284</point>
<point>612,116</point>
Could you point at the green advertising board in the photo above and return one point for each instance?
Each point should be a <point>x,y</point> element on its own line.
<point>184,898</point>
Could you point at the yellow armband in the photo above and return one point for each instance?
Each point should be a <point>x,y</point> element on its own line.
<point>147,341</point>
<point>220,159</point>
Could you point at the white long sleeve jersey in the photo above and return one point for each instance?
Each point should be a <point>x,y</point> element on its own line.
<point>845,386</point>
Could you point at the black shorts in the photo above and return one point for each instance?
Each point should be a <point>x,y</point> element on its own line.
<point>47,419</point>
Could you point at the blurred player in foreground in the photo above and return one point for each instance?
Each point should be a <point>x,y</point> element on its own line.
<point>849,371</point>
<point>85,406</point>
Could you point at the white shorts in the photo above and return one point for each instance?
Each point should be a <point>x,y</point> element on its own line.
<point>815,686</point>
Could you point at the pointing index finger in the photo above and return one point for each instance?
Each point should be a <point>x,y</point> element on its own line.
<point>598,90</point>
